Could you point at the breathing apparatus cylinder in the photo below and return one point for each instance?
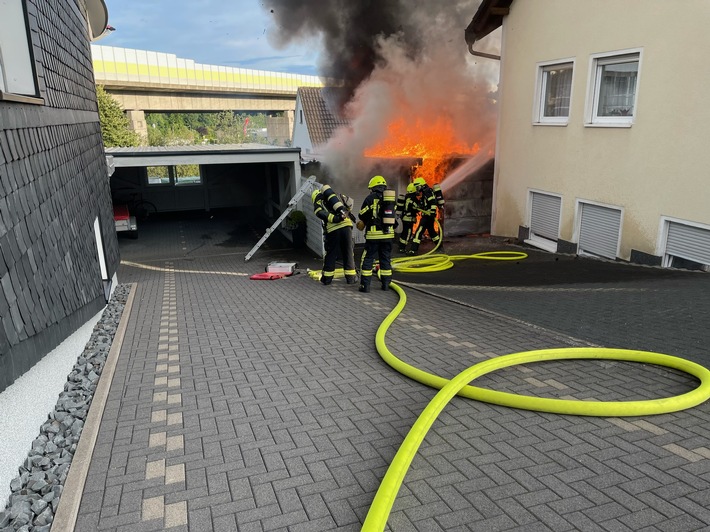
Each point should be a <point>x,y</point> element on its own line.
<point>438,195</point>
<point>389,198</point>
<point>399,207</point>
<point>332,201</point>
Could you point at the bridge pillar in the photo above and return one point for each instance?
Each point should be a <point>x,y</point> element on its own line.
<point>137,123</point>
<point>279,128</point>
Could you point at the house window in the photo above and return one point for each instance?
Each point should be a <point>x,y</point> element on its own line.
<point>598,229</point>
<point>685,244</point>
<point>613,90</point>
<point>544,220</point>
<point>300,115</point>
<point>554,92</point>
<point>17,74</point>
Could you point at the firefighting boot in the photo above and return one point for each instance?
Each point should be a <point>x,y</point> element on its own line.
<point>351,279</point>
<point>413,248</point>
<point>386,283</point>
<point>364,284</point>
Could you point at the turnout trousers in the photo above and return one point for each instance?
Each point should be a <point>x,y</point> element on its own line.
<point>339,243</point>
<point>381,249</point>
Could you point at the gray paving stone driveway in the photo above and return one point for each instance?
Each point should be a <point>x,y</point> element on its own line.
<point>263,405</point>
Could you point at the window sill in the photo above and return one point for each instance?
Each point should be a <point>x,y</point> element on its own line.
<point>554,124</point>
<point>542,243</point>
<point>626,125</point>
<point>10,97</point>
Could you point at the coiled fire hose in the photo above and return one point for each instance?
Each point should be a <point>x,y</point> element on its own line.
<point>389,487</point>
<point>381,506</point>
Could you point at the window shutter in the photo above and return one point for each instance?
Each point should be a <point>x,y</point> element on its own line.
<point>688,242</point>
<point>545,215</point>
<point>599,230</point>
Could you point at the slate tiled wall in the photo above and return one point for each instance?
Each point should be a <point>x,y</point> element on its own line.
<point>53,184</point>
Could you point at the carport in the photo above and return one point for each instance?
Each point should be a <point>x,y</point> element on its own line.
<point>254,181</point>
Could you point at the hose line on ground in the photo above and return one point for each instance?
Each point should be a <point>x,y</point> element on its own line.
<point>378,514</point>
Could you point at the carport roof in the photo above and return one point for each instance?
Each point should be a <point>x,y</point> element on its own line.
<point>198,149</point>
<point>200,154</point>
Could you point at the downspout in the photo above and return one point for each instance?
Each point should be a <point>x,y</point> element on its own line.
<point>482,54</point>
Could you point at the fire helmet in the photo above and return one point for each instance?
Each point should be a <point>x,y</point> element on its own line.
<point>419,182</point>
<point>377,180</point>
<point>411,188</point>
<point>315,194</point>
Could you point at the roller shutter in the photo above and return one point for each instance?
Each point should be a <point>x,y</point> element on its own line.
<point>545,215</point>
<point>599,230</point>
<point>688,242</point>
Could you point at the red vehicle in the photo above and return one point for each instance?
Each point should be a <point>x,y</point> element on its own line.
<point>125,221</point>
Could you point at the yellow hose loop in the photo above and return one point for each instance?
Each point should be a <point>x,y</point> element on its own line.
<point>384,499</point>
<point>439,262</point>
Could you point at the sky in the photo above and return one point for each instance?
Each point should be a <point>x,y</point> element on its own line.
<point>211,32</point>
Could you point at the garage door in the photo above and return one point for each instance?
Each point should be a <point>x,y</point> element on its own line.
<point>599,230</point>
<point>545,215</point>
<point>688,242</point>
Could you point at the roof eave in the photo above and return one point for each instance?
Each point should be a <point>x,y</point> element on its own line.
<point>488,18</point>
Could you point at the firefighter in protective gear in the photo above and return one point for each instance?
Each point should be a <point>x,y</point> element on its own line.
<point>409,216</point>
<point>426,205</point>
<point>338,231</point>
<point>378,236</point>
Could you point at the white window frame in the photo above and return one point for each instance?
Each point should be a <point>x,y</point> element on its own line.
<point>596,63</point>
<point>578,224</point>
<point>18,78</point>
<point>539,117</point>
<point>665,222</point>
<point>538,240</point>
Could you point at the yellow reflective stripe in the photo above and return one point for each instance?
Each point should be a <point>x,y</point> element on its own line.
<point>345,223</point>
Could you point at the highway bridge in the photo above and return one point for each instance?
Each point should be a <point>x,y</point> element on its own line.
<point>141,80</point>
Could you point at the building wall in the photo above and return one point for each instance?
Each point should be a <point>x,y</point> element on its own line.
<point>53,185</point>
<point>656,167</point>
<point>301,138</point>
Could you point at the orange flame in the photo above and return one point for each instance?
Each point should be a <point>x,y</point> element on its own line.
<point>434,142</point>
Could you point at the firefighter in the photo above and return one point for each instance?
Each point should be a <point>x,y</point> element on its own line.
<point>409,216</point>
<point>376,217</point>
<point>338,232</point>
<point>427,205</point>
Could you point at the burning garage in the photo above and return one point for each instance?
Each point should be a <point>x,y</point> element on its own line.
<point>413,102</point>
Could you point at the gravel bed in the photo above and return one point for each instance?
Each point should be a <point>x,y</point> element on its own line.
<point>36,491</point>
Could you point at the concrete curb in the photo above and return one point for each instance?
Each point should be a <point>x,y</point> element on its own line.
<point>68,509</point>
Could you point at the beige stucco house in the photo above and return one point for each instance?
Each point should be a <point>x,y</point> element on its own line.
<point>604,116</point>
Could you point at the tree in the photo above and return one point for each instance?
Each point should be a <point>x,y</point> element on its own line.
<point>115,126</point>
<point>224,127</point>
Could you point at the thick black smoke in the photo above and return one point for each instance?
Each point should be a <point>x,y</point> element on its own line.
<point>350,29</point>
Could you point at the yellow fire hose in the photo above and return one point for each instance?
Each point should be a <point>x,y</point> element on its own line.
<point>378,514</point>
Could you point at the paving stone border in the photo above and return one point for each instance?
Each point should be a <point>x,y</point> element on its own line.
<point>36,491</point>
